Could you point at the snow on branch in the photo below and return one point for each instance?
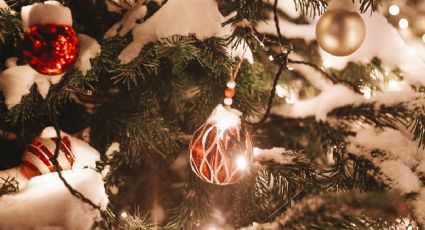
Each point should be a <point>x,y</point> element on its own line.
<point>176,17</point>
<point>16,81</point>
<point>337,96</point>
<point>3,4</point>
<point>45,202</point>
<point>275,154</point>
<point>338,210</point>
<point>382,41</point>
<point>400,160</point>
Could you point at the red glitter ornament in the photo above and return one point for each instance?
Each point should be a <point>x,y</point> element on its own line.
<point>220,156</point>
<point>36,159</point>
<point>51,49</point>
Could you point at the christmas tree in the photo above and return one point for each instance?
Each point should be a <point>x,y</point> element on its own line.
<point>212,114</point>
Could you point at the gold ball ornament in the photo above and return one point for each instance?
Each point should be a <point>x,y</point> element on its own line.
<point>340,32</point>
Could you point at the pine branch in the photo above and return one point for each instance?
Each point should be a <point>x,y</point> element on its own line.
<point>417,127</point>
<point>136,221</point>
<point>311,7</point>
<point>276,186</point>
<point>289,182</point>
<point>350,210</point>
<point>245,10</point>
<point>32,106</point>
<point>214,56</point>
<point>194,209</point>
<point>179,50</point>
<point>8,185</point>
<point>11,34</point>
<point>142,67</point>
<point>141,135</point>
<point>410,114</point>
<point>373,5</point>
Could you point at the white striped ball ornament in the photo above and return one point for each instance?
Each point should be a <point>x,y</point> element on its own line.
<point>36,159</point>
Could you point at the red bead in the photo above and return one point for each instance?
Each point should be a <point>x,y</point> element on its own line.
<point>214,152</point>
<point>229,93</point>
<point>51,49</point>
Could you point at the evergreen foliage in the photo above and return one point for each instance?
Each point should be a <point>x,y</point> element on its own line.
<point>151,104</point>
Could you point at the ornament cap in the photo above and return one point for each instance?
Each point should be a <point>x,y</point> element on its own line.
<point>347,5</point>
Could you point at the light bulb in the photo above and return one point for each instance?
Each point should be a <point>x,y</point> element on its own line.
<point>271,58</point>
<point>241,162</point>
<point>367,92</point>
<point>326,64</point>
<point>394,85</point>
<point>280,91</point>
<point>291,98</point>
<point>124,214</point>
<point>403,23</point>
<point>394,10</point>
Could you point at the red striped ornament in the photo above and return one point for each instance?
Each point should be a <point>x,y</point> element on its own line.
<point>214,153</point>
<point>36,159</point>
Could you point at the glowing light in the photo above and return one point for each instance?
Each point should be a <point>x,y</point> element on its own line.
<point>403,23</point>
<point>271,58</point>
<point>394,85</point>
<point>326,64</point>
<point>288,94</point>
<point>394,10</point>
<point>231,84</point>
<point>423,37</point>
<point>376,75</point>
<point>228,101</point>
<point>291,98</point>
<point>290,68</point>
<point>367,92</point>
<point>280,91</point>
<point>124,214</point>
<point>406,223</point>
<point>241,162</point>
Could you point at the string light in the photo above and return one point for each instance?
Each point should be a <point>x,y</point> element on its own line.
<point>394,85</point>
<point>280,91</point>
<point>241,162</point>
<point>326,64</point>
<point>403,23</point>
<point>394,10</point>
<point>367,92</point>
<point>271,58</point>
<point>124,214</point>
<point>288,94</point>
